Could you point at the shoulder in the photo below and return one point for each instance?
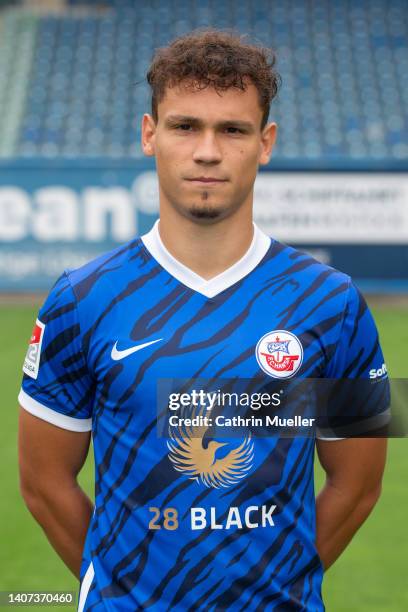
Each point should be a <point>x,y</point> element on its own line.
<point>106,262</point>
<point>111,271</point>
<point>300,265</point>
<point>90,288</point>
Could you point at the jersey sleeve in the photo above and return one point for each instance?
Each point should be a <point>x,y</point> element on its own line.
<point>57,385</point>
<point>360,393</point>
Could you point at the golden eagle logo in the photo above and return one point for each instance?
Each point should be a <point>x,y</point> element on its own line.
<point>189,456</point>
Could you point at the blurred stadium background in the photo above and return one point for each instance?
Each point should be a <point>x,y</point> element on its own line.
<point>73,183</point>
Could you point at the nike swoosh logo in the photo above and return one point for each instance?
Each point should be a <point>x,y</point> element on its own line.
<point>117,355</point>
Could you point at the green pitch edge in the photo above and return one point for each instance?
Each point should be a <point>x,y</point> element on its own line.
<point>18,31</point>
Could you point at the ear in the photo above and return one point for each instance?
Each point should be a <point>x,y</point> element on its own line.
<point>148,135</point>
<point>268,139</point>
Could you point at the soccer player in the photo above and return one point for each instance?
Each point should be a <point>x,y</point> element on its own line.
<point>189,522</point>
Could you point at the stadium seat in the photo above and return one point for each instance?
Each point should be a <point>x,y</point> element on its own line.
<point>73,82</point>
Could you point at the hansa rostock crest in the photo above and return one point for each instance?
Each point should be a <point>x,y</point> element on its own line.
<point>279,353</point>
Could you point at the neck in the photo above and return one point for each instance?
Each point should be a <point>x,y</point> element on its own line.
<point>210,249</point>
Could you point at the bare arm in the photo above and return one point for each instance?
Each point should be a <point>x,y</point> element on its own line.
<point>354,470</point>
<point>50,459</point>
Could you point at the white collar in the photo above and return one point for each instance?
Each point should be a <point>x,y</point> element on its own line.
<point>259,246</point>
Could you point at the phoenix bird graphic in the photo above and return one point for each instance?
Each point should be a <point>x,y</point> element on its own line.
<point>189,456</point>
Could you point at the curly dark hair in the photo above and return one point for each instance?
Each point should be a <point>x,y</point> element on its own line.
<point>211,58</point>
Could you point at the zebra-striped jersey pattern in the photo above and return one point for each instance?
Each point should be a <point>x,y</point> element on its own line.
<point>160,538</point>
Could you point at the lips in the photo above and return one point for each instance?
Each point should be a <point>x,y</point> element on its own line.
<point>206,179</point>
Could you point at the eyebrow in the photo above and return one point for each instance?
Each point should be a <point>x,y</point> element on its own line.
<point>244,125</point>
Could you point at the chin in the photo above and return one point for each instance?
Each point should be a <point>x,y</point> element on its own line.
<point>205,212</point>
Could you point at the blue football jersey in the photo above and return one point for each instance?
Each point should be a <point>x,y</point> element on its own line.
<point>181,523</point>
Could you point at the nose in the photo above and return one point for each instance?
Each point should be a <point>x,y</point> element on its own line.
<point>207,149</point>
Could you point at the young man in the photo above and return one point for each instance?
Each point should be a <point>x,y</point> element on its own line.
<point>182,524</point>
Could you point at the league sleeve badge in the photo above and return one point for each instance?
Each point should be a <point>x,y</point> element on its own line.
<point>32,358</point>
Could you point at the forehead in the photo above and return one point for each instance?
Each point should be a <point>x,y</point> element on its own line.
<point>210,105</point>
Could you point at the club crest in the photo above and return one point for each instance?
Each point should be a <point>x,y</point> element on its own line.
<point>279,353</point>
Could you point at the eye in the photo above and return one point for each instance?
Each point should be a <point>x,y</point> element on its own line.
<point>234,130</point>
<point>184,127</point>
